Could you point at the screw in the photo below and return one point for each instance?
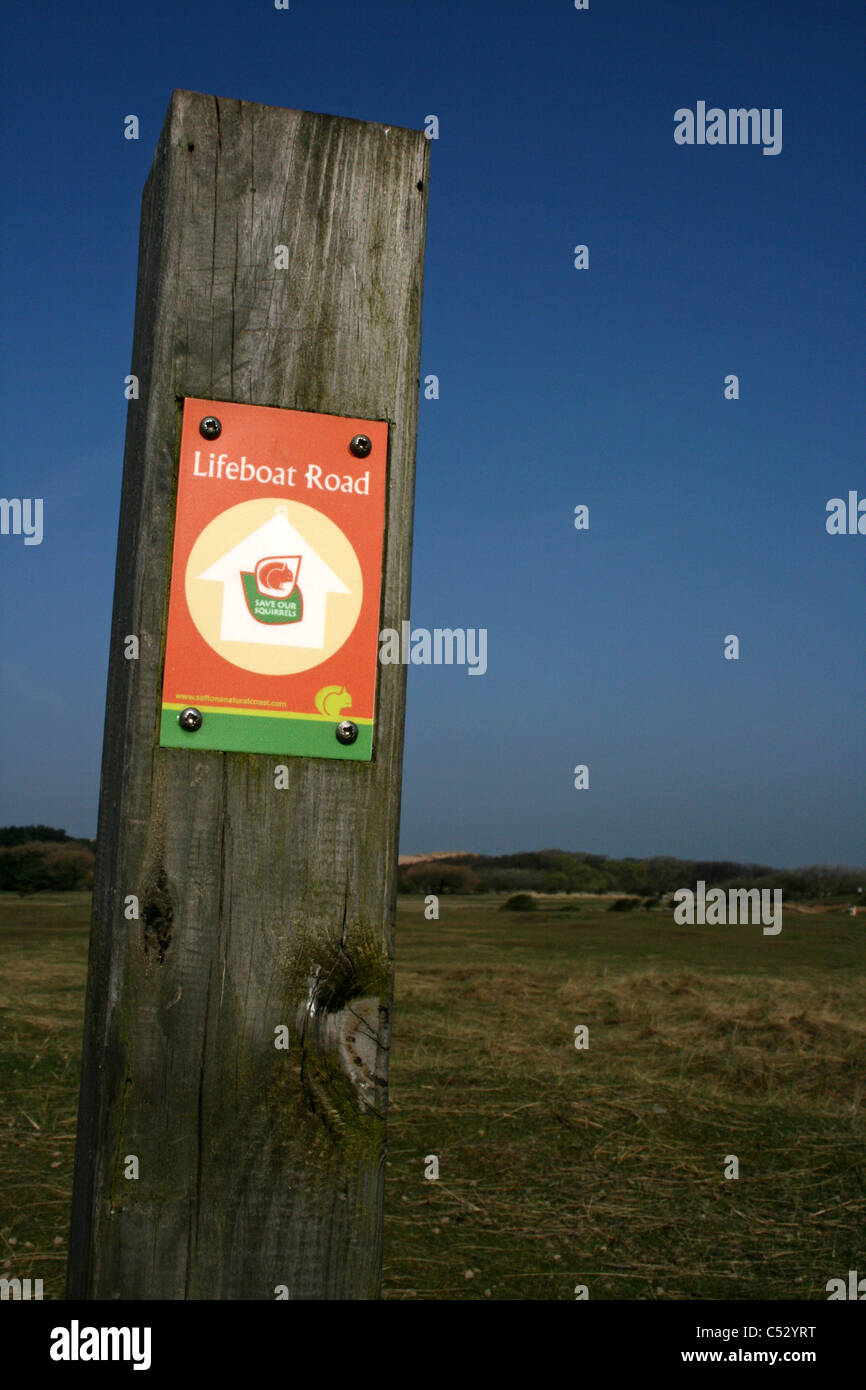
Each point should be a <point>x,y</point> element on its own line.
<point>190,719</point>
<point>361,446</point>
<point>347,732</point>
<point>210,427</point>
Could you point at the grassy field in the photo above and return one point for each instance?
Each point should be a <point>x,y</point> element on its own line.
<point>557,1167</point>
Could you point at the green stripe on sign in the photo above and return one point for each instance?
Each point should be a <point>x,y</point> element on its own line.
<point>257,733</point>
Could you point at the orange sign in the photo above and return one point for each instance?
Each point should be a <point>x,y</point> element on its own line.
<point>273,619</point>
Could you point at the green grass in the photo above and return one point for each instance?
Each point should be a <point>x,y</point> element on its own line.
<point>557,1167</point>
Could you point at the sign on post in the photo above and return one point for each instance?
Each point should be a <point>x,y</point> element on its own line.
<point>231,1135</point>
<point>273,615</point>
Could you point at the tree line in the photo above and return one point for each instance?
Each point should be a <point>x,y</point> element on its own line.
<point>563,871</point>
<point>40,858</point>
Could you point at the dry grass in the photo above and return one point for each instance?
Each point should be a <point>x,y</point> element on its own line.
<point>557,1167</point>
<point>605,1167</point>
<point>43,959</point>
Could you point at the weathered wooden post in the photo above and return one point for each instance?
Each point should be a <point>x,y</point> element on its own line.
<point>231,1126</point>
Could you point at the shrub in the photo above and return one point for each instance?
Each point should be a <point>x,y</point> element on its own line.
<point>46,866</point>
<point>519,902</point>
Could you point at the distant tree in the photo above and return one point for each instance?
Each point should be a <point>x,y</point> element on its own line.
<point>27,834</point>
<point>503,880</point>
<point>556,883</point>
<point>436,877</point>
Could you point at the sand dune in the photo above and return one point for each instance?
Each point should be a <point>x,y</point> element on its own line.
<point>436,854</point>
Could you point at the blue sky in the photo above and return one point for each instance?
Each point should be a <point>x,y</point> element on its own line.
<point>557,387</point>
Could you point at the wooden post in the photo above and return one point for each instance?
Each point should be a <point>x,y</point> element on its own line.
<point>260,1171</point>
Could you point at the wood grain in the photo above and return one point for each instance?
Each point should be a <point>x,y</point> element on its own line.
<point>258,1167</point>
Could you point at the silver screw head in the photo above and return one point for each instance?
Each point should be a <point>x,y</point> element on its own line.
<point>347,732</point>
<point>361,446</point>
<point>210,427</point>
<point>190,719</point>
